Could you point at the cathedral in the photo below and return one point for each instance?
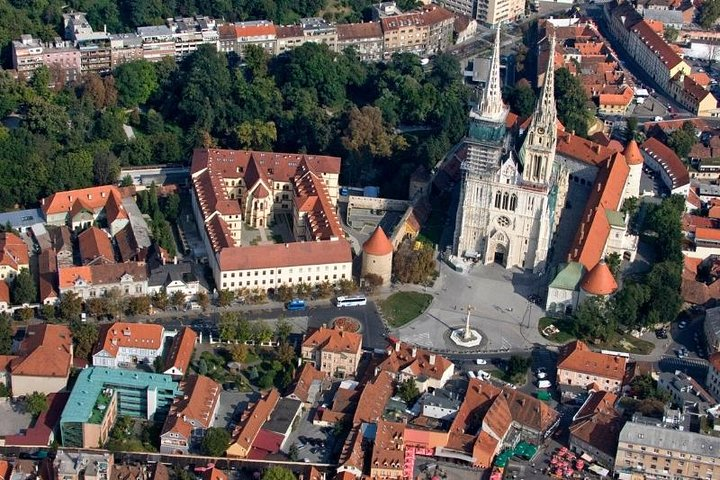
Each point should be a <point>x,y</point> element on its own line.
<point>510,201</point>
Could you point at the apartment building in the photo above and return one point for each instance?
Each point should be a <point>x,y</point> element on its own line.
<point>334,352</point>
<point>366,39</point>
<point>579,366</point>
<point>129,279</point>
<point>125,47</point>
<point>595,428</point>
<point>236,37</point>
<point>428,369</point>
<point>252,420</point>
<point>43,360</point>
<point>123,343</point>
<point>94,47</point>
<point>157,42</point>
<point>674,13</point>
<point>713,376</point>
<point>495,12</point>
<point>648,451</point>
<point>191,32</point>
<point>82,208</point>
<point>29,54</point>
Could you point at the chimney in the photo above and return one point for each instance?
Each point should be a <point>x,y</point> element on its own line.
<point>414,352</point>
<point>397,346</point>
<point>432,359</point>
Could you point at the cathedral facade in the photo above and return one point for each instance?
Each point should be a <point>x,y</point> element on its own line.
<point>510,203</point>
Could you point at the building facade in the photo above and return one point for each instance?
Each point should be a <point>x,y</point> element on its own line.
<point>129,344</point>
<point>334,352</point>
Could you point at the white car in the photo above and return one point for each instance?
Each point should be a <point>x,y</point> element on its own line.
<point>482,374</point>
<point>471,374</point>
<point>541,375</point>
<point>544,384</point>
<point>481,361</point>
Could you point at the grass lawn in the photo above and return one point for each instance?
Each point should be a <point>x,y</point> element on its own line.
<point>563,336</point>
<point>401,307</point>
<point>628,343</point>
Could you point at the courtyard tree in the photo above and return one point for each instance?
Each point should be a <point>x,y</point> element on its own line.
<point>203,300</point>
<point>284,293</point>
<point>408,391</point>
<point>177,299</point>
<point>215,441</point>
<point>225,297</point>
<point>571,101</point>
<point>23,288</point>
<point>36,403</point>
<point>6,335</point>
<point>70,306</point>
<point>160,300</point>
<point>372,281</point>
<point>278,473</point>
<point>283,329</point>
<point>683,139</point>
<point>239,352</point>
<point>85,336</point>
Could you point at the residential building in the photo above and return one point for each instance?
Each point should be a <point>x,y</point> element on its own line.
<point>281,422</point>
<point>428,369</point>
<point>595,428</point>
<point>440,404</point>
<point>128,343</point>
<point>713,376</point>
<point>95,50</point>
<point>101,394</point>
<point>125,47</point>
<point>61,241</point>
<point>711,329</point>
<point>693,96</point>
<point>288,37</point>
<point>673,13</point>
<point>191,32</point>
<point>423,32</point>
<point>47,277</point>
<point>42,432</point>
<point>231,187</point>
<point>83,465</point>
<point>333,351</point>
<point>495,12</point>
<point>186,278</point>
<point>82,208</point>
<point>129,279</point>
<point>4,295</point>
<point>686,393</point>
<point>462,7</point>
<point>157,42</point>
<point>388,452</point>
<point>43,360</point>
<point>665,453</point>
<point>579,366</point>
<point>506,216</point>
<point>366,39</point>
<point>190,415</point>
<point>178,359</point>
<point>235,37</point>
<point>23,221</point>
<point>95,247</point>
<point>30,53</point>
<point>308,384</point>
<point>665,162</point>
<point>14,256</point>
<point>252,420</point>
<point>373,398</point>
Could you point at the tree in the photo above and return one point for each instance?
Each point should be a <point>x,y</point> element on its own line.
<point>215,441</point>
<point>366,133</point>
<point>613,261</point>
<point>106,167</point>
<point>284,293</point>
<point>160,300</point>
<point>632,126</point>
<point>203,300</point>
<point>592,320</point>
<point>283,329</point>
<point>85,336</point>
<point>571,101</point>
<point>225,297</point>
<point>227,326</point>
<point>408,391</point>
<point>517,369</point>
<point>286,353</point>
<point>414,265</point>
<point>683,139</point>
<point>23,288</point>
<point>177,299</point>
<point>372,281</point>
<point>6,335</point>
<point>278,473</point>
<point>135,82</point>
<point>521,98</point>
<point>171,207</point>
<point>239,352</point>
<point>293,453</point>
<point>709,13</point>
<point>139,305</point>
<point>36,403</point>
<point>256,135</point>
<point>670,34</point>
<point>70,306</point>
<point>347,286</point>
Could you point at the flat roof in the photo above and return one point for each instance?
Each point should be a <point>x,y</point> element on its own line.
<point>92,380</point>
<point>22,218</point>
<point>283,415</point>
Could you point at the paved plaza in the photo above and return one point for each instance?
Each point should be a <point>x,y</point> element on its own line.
<point>499,309</point>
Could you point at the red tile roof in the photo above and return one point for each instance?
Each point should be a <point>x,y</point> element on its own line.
<point>335,341</point>
<point>14,251</point>
<point>181,351</point>
<point>599,280</point>
<point>101,274</point>
<point>707,234</point>
<point>46,351</point>
<point>266,443</point>
<point>253,419</point>
<point>388,451</point>
<point>378,244</point>
<point>47,274</point>
<point>4,292</point>
<point>214,474</point>
<point>632,153</point>
<point>597,423</point>
<point>305,378</point>
<point>284,255</point>
<point>402,360</point>
<point>95,247</point>
<point>255,29</point>
<point>359,31</point>
<point>198,403</point>
<point>373,399</point>
<point>41,432</point>
<point>582,149</point>
<point>129,335</point>
<point>656,44</point>
<point>93,199</point>
<point>313,200</point>
<point>577,357</point>
<point>668,160</point>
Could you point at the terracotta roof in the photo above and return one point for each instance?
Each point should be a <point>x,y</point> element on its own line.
<point>373,399</point>
<point>582,149</point>
<point>4,470</point>
<point>359,31</point>
<point>707,234</point>
<point>305,378</point>
<point>95,247</point>
<point>181,351</point>
<point>431,15</point>
<point>285,255</point>
<point>591,237</point>
<point>100,274</point>
<point>632,153</point>
<point>41,432</point>
<point>254,29</point>
<point>577,357</point>
<point>599,280</point>
<point>14,251</point>
<point>129,335</point>
<point>266,443</point>
<point>94,199</point>
<point>597,423</point>
<point>313,201</point>
<point>47,274</point>
<point>289,31</point>
<point>668,160</point>
<point>46,351</point>
<point>616,99</point>
<point>388,451</point>
<point>378,244</point>
<point>4,292</point>
<point>656,44</point>
<point>214,474</point>
<point>335,341</point>
<point>498,418</point>
<point>253,419</point>
<point>701,78</point>
<point>402,360</point>
<point>198,403</point>
<point>484,449</point>
<point>6,362</point>
<point>693,88</point>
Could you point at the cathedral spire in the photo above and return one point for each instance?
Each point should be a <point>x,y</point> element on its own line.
<point>491,104</point>
<point>546,106</point>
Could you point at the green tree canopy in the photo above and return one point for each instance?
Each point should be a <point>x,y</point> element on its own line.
<point>215,441</point>
<point>278,473</point>
<point>23,288</point>
<point>709,13</point>
<point>683,139</point>
<point>135,82</point>
<point>521,99</point>
<point>36,403</point>
<point>6,335</point>
<point>572,102</point>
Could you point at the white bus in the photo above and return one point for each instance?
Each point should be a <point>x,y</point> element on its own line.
<point>351,301</point>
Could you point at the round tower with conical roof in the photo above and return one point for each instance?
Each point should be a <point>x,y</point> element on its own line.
<point>634,160</point>
<point>599,281</point>
<point>377,256</point>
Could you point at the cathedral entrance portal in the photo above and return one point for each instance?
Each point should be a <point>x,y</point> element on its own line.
<point>497,251</point>
<point>500,255</point>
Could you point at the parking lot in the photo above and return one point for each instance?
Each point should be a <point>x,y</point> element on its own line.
<point>315,443</point>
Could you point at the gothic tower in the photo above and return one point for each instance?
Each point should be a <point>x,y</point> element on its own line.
<point>485,141</point>
<point>538,150</point>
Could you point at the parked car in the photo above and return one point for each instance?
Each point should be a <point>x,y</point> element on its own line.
<point>482,374</point>
<point>480,361</point>
<point>682,324</point>
<point>544,384</point>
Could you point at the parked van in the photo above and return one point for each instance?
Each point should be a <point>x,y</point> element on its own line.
<point>544,384</point>
<point>471,374</point>
<point>295,304</point>
<point>482,374</point>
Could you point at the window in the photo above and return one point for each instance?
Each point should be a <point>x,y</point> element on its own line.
<point>513,202</point>
<point>498,199</point>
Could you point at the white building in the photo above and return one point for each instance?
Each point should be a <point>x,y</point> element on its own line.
<point>129,343</point>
